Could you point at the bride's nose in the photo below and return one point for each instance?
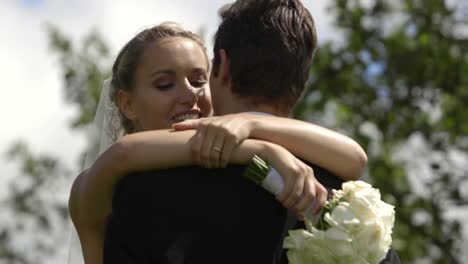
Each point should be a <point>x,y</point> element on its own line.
<point>189,94</point>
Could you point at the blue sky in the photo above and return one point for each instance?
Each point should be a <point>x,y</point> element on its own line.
<point>32,3</point>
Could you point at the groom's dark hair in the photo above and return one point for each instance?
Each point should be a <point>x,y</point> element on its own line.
<point>270,45</point>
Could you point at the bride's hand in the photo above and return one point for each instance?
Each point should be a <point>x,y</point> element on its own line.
<point>216,138</point>
<point>301,188</point>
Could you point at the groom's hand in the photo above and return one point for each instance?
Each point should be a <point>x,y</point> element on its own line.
<point>216,138</point>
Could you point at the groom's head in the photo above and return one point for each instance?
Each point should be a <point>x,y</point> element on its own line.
<point>263,52</point>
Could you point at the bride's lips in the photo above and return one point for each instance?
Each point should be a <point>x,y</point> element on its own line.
<point>191,114</point>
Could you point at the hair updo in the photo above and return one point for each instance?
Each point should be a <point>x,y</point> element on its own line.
<point>123,70</point>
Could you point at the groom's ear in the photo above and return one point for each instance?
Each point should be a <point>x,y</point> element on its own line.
<point>224,73</point>
<point>126,104</point>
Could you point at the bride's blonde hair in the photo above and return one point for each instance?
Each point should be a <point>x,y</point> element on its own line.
<point>129,57</point>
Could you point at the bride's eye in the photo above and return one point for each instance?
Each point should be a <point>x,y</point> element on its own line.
<point>198,83</point>
<point>164,87</point>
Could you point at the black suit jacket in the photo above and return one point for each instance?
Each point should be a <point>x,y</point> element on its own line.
<point>194,215</point>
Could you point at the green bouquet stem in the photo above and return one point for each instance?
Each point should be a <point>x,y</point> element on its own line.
<point>257,170</point>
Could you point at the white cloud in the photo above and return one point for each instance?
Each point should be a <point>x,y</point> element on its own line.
<point>33,107</point>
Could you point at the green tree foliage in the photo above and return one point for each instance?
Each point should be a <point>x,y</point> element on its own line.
<point>83,69</point>
<point>33,206</point>
<point>399,74</point>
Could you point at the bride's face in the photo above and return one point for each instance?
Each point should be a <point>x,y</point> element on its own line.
<point>171,84</point>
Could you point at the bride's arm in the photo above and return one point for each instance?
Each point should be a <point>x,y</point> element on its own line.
<point>91,236</point>
<point>155,150</point>
<point>331,150</point>
<point>90,200</point>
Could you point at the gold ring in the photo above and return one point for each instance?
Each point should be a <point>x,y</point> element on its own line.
<point>217,149</point>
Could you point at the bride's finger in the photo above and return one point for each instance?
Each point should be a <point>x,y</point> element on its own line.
<point>207,146</point>
<point>216,150</point>
<point>295,194</point>
<point>187,124</point>
<point>289,184</point>
<point>196,144</point>
<point>230,143</point>
<point>307,197</point>
<point>321,197</point>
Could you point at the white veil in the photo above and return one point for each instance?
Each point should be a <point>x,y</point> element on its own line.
<point>105,129</point>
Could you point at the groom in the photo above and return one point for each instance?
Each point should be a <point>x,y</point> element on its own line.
<point>263,54</point>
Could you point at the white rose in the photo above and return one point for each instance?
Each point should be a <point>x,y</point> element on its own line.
<point>363,200</point>
<point>355,186</point>
<point>317,246</point>
<point>343,215</point>
<point>337,193</point>
<point>303,248</point>
<point>370,240</point>
<point>387,213</point>
<point>376,216</point>
<point>359,230</point>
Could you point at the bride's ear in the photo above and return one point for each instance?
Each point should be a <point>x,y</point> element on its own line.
<point>126,104</point>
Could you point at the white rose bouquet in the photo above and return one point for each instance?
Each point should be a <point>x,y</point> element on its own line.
<point>355,225</point>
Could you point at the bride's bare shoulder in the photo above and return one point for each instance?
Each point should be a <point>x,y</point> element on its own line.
<point>73,200</point>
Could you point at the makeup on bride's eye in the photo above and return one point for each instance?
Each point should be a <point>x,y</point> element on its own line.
<point>198,83</point>
<point>163,79</point>
<point>164,87</point>
<point>163,83</point>
<point>198,79</point>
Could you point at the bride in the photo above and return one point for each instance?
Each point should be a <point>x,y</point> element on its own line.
<point>159,79</point>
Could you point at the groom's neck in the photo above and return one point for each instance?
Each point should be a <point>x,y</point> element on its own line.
<point>240,106</point>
